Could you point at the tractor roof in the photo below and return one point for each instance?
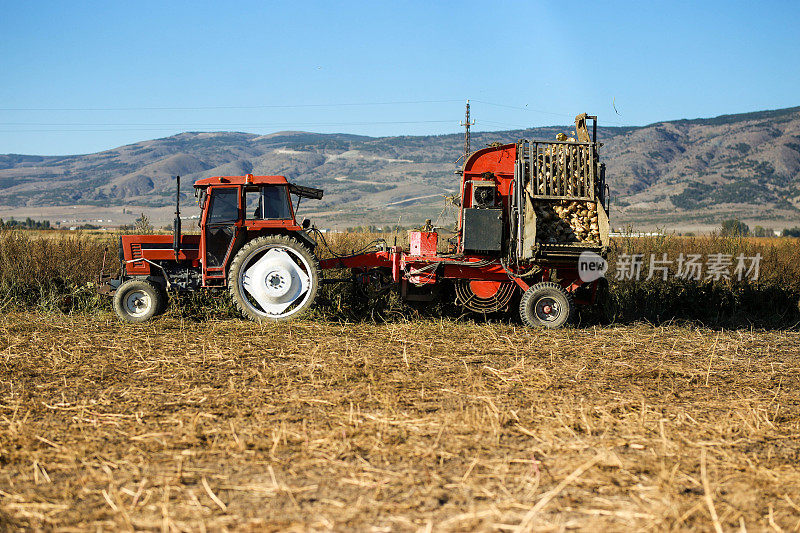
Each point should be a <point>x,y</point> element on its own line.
<point>249,179</point>
<point>242,180</point>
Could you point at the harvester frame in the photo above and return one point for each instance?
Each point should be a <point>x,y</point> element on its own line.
<point>269,262</point>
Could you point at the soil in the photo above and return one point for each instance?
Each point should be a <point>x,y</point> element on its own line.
<point>427,425</point>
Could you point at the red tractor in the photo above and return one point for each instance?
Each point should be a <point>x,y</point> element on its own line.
<point>533,214</point>
<point>249,242</point>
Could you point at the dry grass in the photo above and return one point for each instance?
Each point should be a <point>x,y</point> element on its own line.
<point>780,263</point>
<point>772,301</point>
<point>53,270</point>
<point>54,273</point>
<point>35,260</point>
<point>430,425</point>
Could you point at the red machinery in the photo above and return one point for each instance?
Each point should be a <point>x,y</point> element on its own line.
<point>506,248</point>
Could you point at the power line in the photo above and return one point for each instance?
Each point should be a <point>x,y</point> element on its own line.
<point>508,124</point>
<point>204,108</point>
<point>280,106</point>
<point>223,124</point>
<point>72,127</point>
<point>526,108</point>
<point>198,126</point>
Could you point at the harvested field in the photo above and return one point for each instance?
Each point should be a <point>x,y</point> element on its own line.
<point>432,425</point>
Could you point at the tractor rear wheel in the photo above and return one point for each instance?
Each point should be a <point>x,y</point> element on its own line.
<point>273,279</point>
<point>546,305</point>
<point>138,300</point>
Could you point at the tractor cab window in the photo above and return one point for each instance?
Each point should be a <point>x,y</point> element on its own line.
<point>269,202</point>
<point>224,205</point>
<point>252,203</point>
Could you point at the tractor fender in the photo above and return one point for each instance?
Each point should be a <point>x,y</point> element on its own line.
<point>108,286</point>
<point>300,235</point>
<point>303,237</point>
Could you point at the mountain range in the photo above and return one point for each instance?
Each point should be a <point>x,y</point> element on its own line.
<point>682,174</point>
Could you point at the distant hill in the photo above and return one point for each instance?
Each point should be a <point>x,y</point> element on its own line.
<point>675,173</point>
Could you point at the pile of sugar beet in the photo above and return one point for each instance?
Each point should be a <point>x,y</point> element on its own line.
<point>564,221</point>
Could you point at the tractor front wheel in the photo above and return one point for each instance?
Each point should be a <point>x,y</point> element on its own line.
<point>138,300</point>
<point>546,305</point>
<point>273,279</point>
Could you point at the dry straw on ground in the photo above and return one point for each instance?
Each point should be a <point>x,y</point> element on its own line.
<point>430,425</point>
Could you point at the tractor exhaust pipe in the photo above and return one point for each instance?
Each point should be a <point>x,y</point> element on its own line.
<point>176,224</point>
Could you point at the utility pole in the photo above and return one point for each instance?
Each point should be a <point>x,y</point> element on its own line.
<point>466,123</point>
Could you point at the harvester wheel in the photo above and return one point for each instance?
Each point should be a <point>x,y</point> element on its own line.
<point>138,300</point>
<point>273,278</point>
<point>546,305</point>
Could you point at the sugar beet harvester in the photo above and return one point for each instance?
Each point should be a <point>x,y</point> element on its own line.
<point>527,211</point>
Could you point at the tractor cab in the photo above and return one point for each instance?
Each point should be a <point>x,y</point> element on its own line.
<point>236,209</point>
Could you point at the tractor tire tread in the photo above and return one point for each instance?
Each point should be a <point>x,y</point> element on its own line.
<point>535,291</point>
<point>246,250</point>
<point>154,291</point>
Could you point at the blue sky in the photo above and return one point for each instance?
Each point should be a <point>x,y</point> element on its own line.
<point>78,77</point>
